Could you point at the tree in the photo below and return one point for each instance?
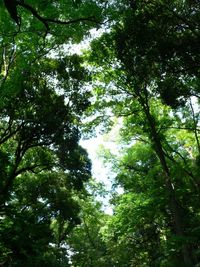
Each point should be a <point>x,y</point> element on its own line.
<point>145,69</point>
<point>40,205</point>
<point>140,232</point>
<point>86,241</point>
<point>140,71</point>
<point>42,99</point>
<point>42,165</point>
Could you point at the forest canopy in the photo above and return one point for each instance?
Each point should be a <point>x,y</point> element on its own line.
<point>140,71</point>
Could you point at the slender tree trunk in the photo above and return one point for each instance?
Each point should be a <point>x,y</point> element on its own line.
<point>174,205</point>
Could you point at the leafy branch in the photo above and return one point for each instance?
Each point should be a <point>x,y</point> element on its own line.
<point>11,6</point>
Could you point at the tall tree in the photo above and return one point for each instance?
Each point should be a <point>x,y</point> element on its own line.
<point>142,69</point>
<point>42,98</point>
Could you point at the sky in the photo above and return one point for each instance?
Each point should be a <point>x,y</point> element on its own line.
<point>100,172</point>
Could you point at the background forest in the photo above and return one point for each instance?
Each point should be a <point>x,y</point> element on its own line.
<point>140,71</point>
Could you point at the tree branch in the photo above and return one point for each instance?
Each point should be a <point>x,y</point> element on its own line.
<point>31,169</point>
<point>46,21</point>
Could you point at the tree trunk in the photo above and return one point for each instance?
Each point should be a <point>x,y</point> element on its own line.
<point>175,207</point>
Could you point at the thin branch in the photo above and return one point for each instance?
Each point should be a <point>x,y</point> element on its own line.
<point>195,126</point>
<point>186,170</point>
<point>88,234</point>
<point>7,65</point>
<point>46,21</point>
<point>35,14</point>
<point>179,128</point>
<point>134,168</point>
<point>32,169</point>
<point>8,132</point>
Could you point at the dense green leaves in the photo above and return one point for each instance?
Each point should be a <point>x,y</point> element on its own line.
<point>42,98</point>
<point>143,69</point>
<point>149,59</point>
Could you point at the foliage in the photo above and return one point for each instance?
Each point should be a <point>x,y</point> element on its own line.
<point>146,71</point>
<point>86,241</point>
<point>143,69</point>
<point>42,99</point>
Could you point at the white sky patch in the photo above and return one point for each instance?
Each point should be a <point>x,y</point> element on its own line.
<point>85,44</point>
<point>100,172</point>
